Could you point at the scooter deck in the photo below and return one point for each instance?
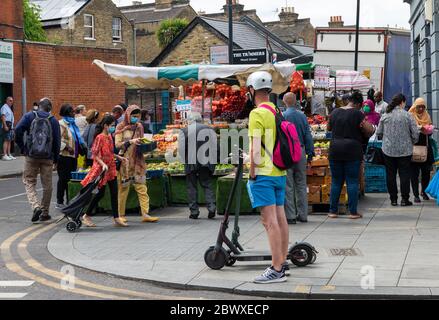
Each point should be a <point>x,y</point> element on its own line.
<point>252,256</point>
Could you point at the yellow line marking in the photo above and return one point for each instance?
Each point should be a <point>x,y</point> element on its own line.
<point>27,258</point>
<point>328,288</point>
<point>302,289</point>
<point>5,249</point>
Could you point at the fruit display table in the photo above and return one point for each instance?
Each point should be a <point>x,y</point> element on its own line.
<point>224,186</point>
<point>157,191</point>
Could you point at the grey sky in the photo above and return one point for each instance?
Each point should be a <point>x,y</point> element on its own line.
<point>374,13</point>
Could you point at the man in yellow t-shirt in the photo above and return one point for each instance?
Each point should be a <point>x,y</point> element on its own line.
<point>266,187</point>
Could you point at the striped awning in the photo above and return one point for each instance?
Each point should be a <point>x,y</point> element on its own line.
<point>165,77</point>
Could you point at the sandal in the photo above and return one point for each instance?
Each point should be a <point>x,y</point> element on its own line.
<point>355,216</point>
<point>87,222</point>
<point>333,215</point>
<point>119,223</point>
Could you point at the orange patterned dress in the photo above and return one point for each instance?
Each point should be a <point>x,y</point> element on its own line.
<point>103,147</point>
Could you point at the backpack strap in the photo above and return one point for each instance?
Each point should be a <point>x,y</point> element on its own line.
<point>36,115</point>
<point>269,108</point>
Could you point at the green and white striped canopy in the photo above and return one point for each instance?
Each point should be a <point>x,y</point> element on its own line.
<point>165,77</point>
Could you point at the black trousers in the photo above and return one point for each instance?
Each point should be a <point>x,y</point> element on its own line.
<point>113,193</point>
<point>66,165</point>
<point>401,165</point>
<point>425,170</point>
<point>204,176</point>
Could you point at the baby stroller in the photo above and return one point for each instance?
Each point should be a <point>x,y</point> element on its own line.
<point>78,205</point>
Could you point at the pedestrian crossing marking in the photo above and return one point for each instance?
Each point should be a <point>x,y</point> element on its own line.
<point>14,284</point>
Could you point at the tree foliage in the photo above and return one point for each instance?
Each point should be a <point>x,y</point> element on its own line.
<point>33,28</point>
<point>169,29</point>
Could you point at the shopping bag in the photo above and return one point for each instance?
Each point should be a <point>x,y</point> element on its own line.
<point>374,156</point>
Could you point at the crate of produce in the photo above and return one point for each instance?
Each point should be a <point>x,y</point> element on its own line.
<point>321,162</point>
<point>374,171</point>
<point>314,194</point>
<point>154,174</point>
<point>78,176</point>
<point>148,147</point>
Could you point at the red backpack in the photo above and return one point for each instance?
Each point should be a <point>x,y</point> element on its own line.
<point>287,148</point>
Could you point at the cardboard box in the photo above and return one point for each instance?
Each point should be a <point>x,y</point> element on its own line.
<point>323,162</point>
<point>317,171</point>
<point>314,194</point>
<point>318,181</point>
<point>326,194</point>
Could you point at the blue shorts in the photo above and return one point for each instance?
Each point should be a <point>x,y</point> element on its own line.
<point>267,191</point>
<point>8,136</point>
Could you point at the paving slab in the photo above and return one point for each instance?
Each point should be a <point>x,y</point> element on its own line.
<point>405,256</point>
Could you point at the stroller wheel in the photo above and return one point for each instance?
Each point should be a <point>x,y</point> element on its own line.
<point>314,258</point>
<point>79,223</point>
<point>72,226</point>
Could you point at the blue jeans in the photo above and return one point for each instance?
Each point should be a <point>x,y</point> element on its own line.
<point>342,171</point>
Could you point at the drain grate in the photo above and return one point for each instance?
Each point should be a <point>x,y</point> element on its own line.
<point>341,252</point>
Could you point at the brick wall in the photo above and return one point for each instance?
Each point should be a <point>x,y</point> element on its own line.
<point>11,25</point>
<point>194,47</point>
<point>66,74</point>
<point>103,12</point>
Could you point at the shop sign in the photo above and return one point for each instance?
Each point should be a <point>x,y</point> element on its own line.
<point>6,62</point>
<point>183,105</point>
<point>219,55</point>
<point>251,56</point>
<point>321,77</point>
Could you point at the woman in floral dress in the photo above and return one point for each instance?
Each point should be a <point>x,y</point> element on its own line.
<point>104,160</point>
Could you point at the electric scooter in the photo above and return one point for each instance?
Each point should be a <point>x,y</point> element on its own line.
<point>216,257</point>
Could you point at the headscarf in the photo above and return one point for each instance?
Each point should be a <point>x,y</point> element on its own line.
<point>372,117</point>
<point>74,129</point>
<point>126,123</point>
<point>423,119</point>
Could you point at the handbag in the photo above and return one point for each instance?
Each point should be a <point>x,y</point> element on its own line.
<point>420,153</point>
<point>118,162</point>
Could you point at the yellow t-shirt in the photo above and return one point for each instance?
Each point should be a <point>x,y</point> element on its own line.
<point>262,125</point>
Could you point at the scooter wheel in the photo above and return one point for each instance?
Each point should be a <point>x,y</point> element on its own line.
<point>216,259</point>
<point>301,255</point>
<point>314,258</point>
<point>230,262</point>
<point>72,226</point>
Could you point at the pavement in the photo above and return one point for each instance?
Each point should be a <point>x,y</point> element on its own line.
<point>11,168</point>
<point>394,253</point>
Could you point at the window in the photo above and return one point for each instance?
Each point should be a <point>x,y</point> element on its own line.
<point>117,29</point>
<point>89,27</point>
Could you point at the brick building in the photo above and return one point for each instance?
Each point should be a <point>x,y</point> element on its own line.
<point>147,19</point>
<point>289,27</point>
<point>62,73</point>
<point>87,23</point>
<point>195,42</point>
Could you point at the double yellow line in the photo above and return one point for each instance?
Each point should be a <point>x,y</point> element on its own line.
<point>88,288</point>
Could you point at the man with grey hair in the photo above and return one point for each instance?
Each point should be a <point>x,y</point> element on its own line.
<point>296,201</point>
<point>290,100</point>
<point>197,147</point>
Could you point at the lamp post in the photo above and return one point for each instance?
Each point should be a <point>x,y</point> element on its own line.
<point>230,14</point>
<point>357,36</point>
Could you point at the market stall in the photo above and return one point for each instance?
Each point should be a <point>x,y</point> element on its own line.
<point>218,93</point>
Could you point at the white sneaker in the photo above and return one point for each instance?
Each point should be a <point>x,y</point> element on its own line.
<point>6,158</point>
<point>12,157</point>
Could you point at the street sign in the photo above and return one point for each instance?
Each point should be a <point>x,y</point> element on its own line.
<point>219,55</point>
<point>250,56</point>
<point>6,62</point>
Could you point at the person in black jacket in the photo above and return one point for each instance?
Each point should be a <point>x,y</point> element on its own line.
<point>198,170</point>
<point>43,167</point>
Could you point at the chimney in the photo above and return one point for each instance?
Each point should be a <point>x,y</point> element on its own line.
<point>336,22</point>
<point>236,7</point>
<point>287,14</point>
<point>163,4</point>
<point>11,19</point>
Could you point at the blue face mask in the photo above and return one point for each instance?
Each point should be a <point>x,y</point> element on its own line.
<point>134,120</point>
<point>112,130</point>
